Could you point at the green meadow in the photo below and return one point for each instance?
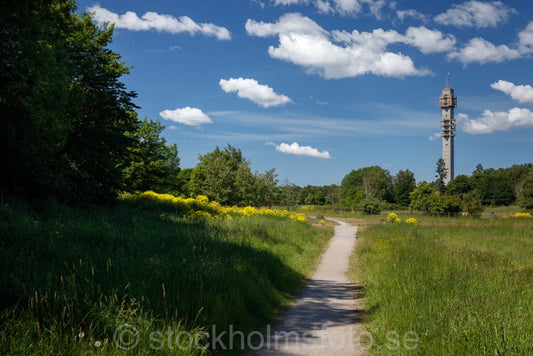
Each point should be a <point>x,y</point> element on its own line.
<point>450,286</point>
<point>139,279</point>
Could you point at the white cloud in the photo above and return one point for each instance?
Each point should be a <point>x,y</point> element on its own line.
<point>482,51</point>
<point>158,22</point>
<point>187,116</point>
<point>288,23</point>
<point>522,93</point>
<point>435,136</point>
<point>296,149</point>
<point>426,40</point>
<point>411,13</point>
<point>250,89</point>
<point>332,61</point>
<point>498,121</point>
<point>429,41</point>
<point>340,54</point>
<point>525,38</point>
<point>476,14</point>
<point>341,7</point>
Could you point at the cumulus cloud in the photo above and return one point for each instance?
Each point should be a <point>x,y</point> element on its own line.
<point>187,116</point>
<point>479,50</point>
<point>429,41</point>
<point>340,54</point>
<point>521,93</point>
<point>476,14</point>
<point>250,89</point>
<point>158,22</point>
<point>288,23</point>
<point>490,122</point>
<point>525,38</point>
<point>296,149</point>
<point>482,51</point>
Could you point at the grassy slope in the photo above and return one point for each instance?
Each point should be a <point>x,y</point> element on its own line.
<point>465,287</point>
<point>69,271</point>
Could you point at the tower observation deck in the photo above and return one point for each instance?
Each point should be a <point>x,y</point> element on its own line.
<point>447,102</point>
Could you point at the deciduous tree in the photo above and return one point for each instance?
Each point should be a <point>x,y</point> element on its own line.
<point>402,185</point>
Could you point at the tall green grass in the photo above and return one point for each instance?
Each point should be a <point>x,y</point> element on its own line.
<point>70,278</point>
<point>460,288</point>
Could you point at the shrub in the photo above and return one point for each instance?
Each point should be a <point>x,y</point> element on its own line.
<point>371,206</point>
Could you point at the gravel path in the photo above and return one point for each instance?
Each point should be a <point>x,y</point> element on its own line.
<point>325,319</point>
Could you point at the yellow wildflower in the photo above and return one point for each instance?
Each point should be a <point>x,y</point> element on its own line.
<point>392,217</point>
<point>412,221</point>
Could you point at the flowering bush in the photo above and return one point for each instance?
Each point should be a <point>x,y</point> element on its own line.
<point>393,217</point>
<point>412,221</point>
<point>517,216</point>
<point>201,208</point>
<point>298,217</point>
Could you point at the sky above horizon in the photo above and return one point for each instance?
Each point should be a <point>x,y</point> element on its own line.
<point>317,88</point>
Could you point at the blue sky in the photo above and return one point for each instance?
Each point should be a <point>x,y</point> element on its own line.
<point>316,88</point>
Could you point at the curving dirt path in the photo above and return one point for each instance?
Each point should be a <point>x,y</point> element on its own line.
<point>326,318</point>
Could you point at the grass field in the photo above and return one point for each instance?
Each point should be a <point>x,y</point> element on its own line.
<point>456,286</point>
<point>138,280</point>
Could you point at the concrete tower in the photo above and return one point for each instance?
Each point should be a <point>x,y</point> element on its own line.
<point>447,103</point>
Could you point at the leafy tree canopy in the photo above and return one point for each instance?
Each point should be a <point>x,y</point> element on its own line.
<point>402,185</point>
<point>366,183</point>
<point>153,165</point>
<point>226,177</point>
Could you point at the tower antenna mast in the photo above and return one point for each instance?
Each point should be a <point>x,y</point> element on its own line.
<point>448,102</point>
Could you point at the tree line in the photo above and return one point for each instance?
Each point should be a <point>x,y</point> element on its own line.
<point>374,188</point>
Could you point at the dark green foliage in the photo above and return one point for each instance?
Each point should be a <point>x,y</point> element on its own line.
<point>422,197</point>
<point>101,117</point>
<point>68,123</point>
<point>366,183</point>
<point>442,173</point>
<point>371,206</point>
<point>459,186</point>
<point>526,192</point>
<point>215,175</point>
<point>35,69</point>
<point>446,204</point>
<point>490,186</point>
<point>153,165</point>
<point>318,195</point>
<point>518,172</point>
<point>473,204</point>
<point>402,185</point>
<point>225,176</point>
<point>183,180</point>
<point>479,169</point>
<point>289,193</point>
<point>493,187</point>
